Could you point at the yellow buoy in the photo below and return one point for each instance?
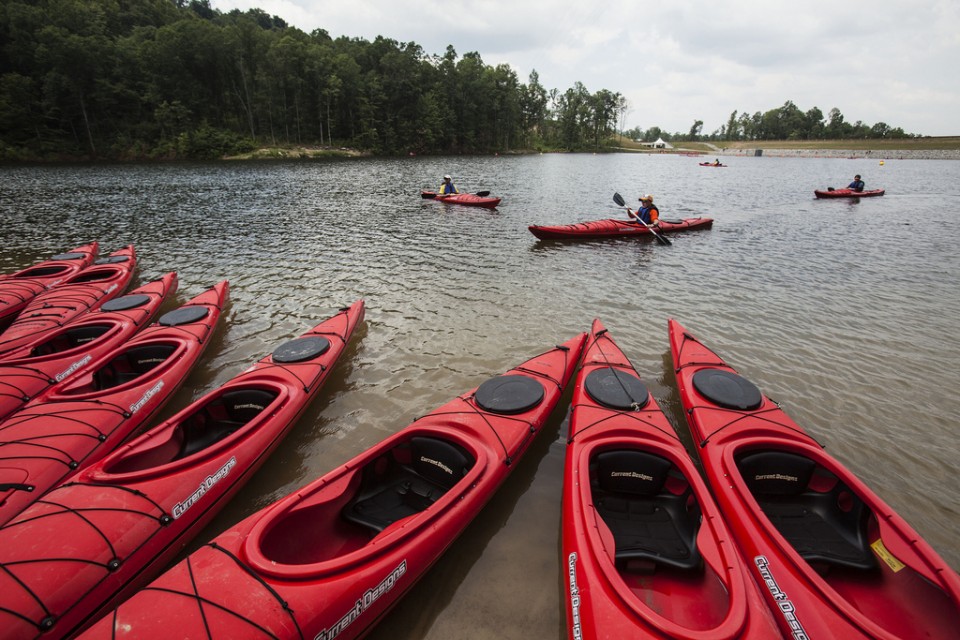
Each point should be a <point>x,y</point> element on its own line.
<point>881,163</point>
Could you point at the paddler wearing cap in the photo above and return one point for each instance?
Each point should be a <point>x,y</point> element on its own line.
<point>647,213</point>
<point>447,187</point>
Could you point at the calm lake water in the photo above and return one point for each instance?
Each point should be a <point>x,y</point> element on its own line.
<point>846,312</point>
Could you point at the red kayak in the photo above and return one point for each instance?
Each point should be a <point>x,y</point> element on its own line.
<point>711,164</point>
<point>331,559</point>
<point>469,199</point>
<point>645,550</point>
<point>614,228</point>
<point>19,288</point>
<point>833,559</point>
<point>847,193</point>
<point>85,290</point>
<point>77,422</point>
<point>92,541</point>
<point>62,354</point>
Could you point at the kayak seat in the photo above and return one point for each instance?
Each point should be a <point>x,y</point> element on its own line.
<point>221,417</point>
<point>817,513</point>
<point>70,339</point>
<point>648,508</point>
<point>405,481</point>
<point>131,364</point>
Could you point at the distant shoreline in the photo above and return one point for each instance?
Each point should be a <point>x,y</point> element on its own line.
<point>858,154</point>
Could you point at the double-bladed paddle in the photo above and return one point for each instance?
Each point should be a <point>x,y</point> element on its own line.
<point>620,201</point>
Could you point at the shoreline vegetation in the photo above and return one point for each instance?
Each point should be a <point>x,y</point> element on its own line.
<point>933,148</point>
<point>926,148</point>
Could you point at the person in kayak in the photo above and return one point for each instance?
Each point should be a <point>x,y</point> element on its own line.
<point>648,213</point>
<point>447,188</point>
<point>857,184</point>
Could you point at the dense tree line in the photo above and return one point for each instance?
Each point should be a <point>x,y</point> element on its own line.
<point>784,123</point>
<point>176,78</point>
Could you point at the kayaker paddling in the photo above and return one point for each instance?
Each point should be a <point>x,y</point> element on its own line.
<point>447,187</point>
<point>857,184</point>
<point>648,214</point>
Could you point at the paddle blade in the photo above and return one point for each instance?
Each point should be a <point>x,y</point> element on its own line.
<point>662,240</point>
<point>483,194</point>
<point>426,195</point>
<point>619,199</point>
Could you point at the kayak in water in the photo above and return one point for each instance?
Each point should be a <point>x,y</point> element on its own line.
<point>479,199</point>
<point>19,288</point>
<point>329,560</point>
<point>646,553</point>
<point>832,559</point>
<point>61,355</point>
<point>614,228</point>
<point>848,193</point>
<point>93,540</point>
<point>85,290</point>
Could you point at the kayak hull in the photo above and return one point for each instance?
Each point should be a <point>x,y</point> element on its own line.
<point>331,559</point>
<point>19,288</point>
<point>95,539</point>
<point>711,164</point>
<point>77,422</point>
<point>64,353</point>
<point>84,291</point>
<point>832,559</point>
<point>614,228</point>
<point>467,199</point>
<point>847,193</point>
<point>621,580</point>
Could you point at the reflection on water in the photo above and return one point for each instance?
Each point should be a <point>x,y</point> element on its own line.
<point>843,311</point>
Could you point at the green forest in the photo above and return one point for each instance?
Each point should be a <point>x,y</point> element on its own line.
<point>152,79</point>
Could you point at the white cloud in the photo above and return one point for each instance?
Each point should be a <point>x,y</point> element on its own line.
<point>687,60</point>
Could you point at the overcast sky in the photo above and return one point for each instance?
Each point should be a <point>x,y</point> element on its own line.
<point>678,61</point>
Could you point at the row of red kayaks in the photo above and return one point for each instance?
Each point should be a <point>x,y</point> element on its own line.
<point>775,538</point>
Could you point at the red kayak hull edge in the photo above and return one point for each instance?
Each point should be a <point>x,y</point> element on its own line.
<point>91,542</point>
<point>763,467</point>
<point>301,569</point>
<point>608,596</point>
<point>614,228</point>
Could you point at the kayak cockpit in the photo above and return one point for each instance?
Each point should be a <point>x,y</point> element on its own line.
<point>845,539</point>
<point>224,414</point>
<point>127,367</point>
<point>648,507</point>
<point>366,504</point>
<point>406,480</point>
<point>72,338</point>
<point>817,513</point>
<point>650,528</point>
